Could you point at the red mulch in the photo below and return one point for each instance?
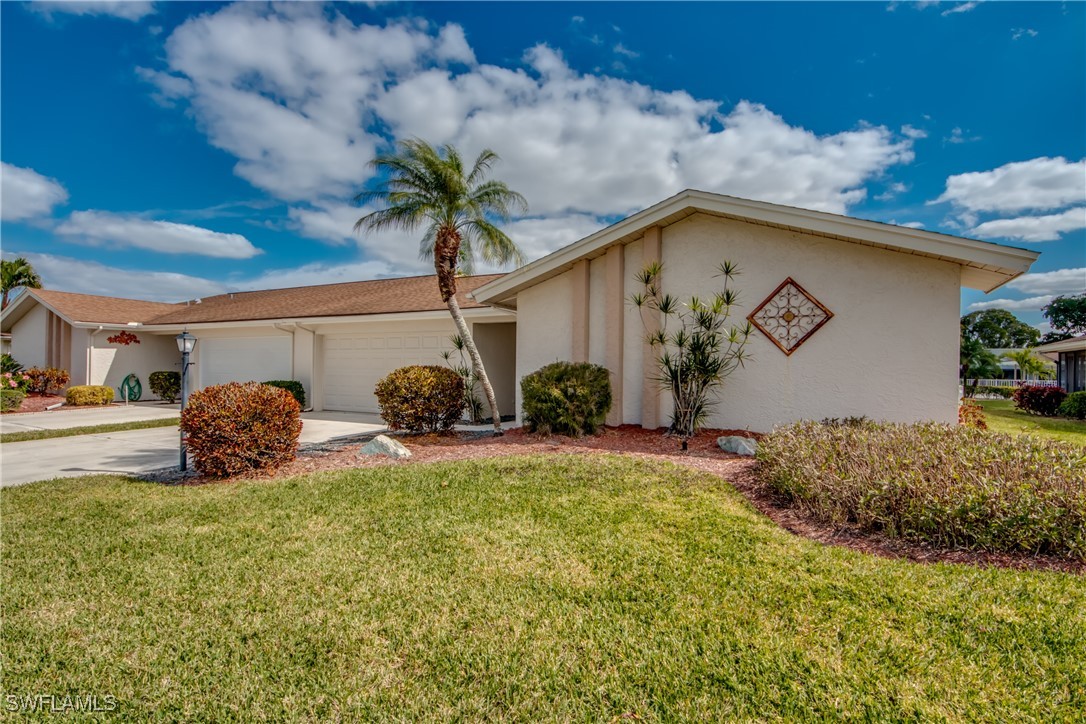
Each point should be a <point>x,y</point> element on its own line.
<point>36,403</point>
<point>703,454</point>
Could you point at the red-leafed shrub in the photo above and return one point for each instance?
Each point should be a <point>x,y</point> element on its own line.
<point>970,414</point>
<point>239,428</point>
<point>421,398</point>
<point>44,380</point>
<point>1039,400</point>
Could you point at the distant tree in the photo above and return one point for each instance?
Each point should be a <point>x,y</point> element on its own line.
<point>1030,365</point>
<point>975,363</point>
<point>16,274</point>
<point>1067,315</point>
<point>999,329</point>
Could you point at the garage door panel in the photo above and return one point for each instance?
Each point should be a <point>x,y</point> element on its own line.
<point>353,365</point>
<point>242,359</point>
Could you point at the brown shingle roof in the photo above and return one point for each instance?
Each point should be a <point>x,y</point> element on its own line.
<point>101,310</point>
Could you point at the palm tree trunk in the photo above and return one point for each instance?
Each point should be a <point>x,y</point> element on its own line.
<point>476,361</point>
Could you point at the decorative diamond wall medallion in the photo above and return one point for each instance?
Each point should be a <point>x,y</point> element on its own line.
<point>789,316</point>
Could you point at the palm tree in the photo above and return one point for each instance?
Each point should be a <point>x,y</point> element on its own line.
<point>975,362</point>
<point>1028,362</point>
<point>427,187</point>
<point>16,273</point>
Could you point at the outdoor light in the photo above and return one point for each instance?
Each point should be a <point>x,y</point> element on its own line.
<point>185,344</point>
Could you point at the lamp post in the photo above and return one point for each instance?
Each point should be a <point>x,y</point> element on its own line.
<point>185,344</point>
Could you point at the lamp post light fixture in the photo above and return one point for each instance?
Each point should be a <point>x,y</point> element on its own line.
<point>185,344</point>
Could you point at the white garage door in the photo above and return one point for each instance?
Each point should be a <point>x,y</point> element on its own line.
<point>354,364</point>
<point>244,359</point>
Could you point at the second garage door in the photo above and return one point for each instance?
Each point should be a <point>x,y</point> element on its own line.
<point>353,364</point>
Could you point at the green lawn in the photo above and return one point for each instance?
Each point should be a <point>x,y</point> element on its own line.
<point>555,588</point>
<point>1003,417</point>
<point>87,430</point>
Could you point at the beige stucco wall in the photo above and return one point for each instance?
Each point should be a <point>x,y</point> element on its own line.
<point>28,338</point>
<point>890,352</point>
<point>497,343</point>
<point>111,363</point>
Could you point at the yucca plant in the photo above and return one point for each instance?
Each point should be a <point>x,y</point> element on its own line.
<point>462,366</point>
<point>696,348</point>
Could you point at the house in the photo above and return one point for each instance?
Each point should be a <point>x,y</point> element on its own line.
<point>1071,368</point>
<point>857,317</point>
<point>338,340</point>
<point>854,318</point>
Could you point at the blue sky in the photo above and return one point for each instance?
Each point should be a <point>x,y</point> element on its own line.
<point>176,150</point>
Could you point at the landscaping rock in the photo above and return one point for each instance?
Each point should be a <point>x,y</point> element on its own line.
<point>737,444</point>
<point>385,445</point>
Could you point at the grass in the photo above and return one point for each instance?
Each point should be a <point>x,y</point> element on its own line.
<point>87,430</point>
<point>1002,416</point>
<point>555,588</point>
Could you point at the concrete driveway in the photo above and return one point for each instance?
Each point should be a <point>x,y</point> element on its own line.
<point>133,451</point>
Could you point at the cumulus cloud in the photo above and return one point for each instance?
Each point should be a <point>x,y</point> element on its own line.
<point>26,194</point>
<point>316,273</point>
<point>88,277</point>
<point>913,132</point>
<point>304,99</point>
<point>961,8</point>
<point>1040,184</point>
<point>1060,281</point>
<point>124,9</point>
<point>1032,304</point>
<point>167,237</point>
<point>1033,228</point>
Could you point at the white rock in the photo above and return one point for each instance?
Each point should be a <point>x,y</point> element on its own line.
<point>737,444</point>
<point>385,445</point>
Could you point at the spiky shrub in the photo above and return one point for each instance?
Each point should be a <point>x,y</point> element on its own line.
<point>950,486</point>
<point>43,380</point>
<point>568,398</point>
<point>11,399</point>
<point>86,395</point>
<point>458,361</point>
<point>970,414</point>
<point>695,346</point>
<point>294,387</point>
<point>166,384</point>
<point>1074,406</point>
<point>9,363</point>
<point>421,398</point>
<point>1038,400</point>
<point>240,428</point>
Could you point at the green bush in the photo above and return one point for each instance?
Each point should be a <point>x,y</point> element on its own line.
<point>568,398</point>
<point>944,485</point>
<point>166,384</point>
<point>240,428</point>
<point>9,364</point>
<point>421,398</point>
<point>294,387</point>
<point>11,399</point>
<point>1074,406</point>
<point>1004,392</point>
<point>79,395</point>
<point>44,380</point>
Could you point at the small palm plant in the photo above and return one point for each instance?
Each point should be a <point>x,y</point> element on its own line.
<point>462,366</point>
<point>1030,364</point>
<point>696,349</point>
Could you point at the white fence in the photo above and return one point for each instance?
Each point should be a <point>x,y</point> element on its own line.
<point>1013,383</point>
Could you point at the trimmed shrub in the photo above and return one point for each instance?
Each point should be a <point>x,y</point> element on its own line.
<point>166,384</point>
<point>79,395</point>
<point>945,485</point>
<point>15,381</point>
<point>1074,406</point>
<point>44,380</point>
<point>568,398</point>
<point>970,414</point>
<point>421,398</point>
<point>11,399</point>
<point>1002,392</point>
<point>240,428</point>
<point>9,364</point>
<point>294,387</point>
<point>1038,400</point>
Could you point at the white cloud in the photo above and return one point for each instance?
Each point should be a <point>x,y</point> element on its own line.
<point>1032,304</point>
<point>89,277</point>
<point>1060,281</point>
<point>961,8</point>
<point>906,224</point>
<point>1017,33</point>
<point>167,237</point>
<point>124,9</point>
<point>621,49</point>
<point>316,273</point>
<point>957,135</point>
<point>893,190</point>
<point>1034,228</point>
<point>913,132</point>
<point>291,91</point>
<point>1040,183</point>
<point>26,194</point>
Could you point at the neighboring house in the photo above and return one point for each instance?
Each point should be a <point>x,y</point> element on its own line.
<point>1071,369</point>
<point>5,343</point>
<point>337,339</point>
<point>1009,367</point>
<point>889,350</point>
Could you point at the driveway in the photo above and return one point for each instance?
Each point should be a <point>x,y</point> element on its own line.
<point>133,451</point>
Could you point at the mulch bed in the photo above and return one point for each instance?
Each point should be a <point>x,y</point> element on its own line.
<point>36,403</point>
<point>703,455</point>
